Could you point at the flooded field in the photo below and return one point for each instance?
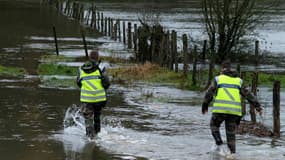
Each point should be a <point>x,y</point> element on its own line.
<point>141,121</point>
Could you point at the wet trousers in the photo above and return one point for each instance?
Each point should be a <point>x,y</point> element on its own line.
<point>231,122</point>
<point>92,113</point>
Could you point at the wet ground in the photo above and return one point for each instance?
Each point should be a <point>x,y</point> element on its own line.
<point>141,121</point>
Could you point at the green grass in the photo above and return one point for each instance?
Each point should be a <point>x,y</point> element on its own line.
<point>147,72</point>
<point>55,69</point>
<point>265,79</point>
<point>156,74</point>
<point>51,58</point>
<point>49,67</point>
<point>59,83</point>
<point>12,71</point>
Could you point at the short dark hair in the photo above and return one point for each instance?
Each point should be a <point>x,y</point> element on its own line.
<point>94,55</point>
<point>226,65</point>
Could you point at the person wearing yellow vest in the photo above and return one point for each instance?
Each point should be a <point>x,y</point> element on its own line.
<point>225,91</point>
<point>91,81</point>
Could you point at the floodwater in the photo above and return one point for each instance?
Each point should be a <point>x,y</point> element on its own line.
<point>141,121</point>
<point>188,20</point>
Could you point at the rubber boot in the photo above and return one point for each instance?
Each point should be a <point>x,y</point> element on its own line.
<point>90,132</point>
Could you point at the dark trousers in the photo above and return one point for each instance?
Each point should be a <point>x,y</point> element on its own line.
<point>92,113</point>
<point>231,122</point>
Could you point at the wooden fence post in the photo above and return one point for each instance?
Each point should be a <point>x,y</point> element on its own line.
<point>168,54</point>
<point>194,73</point>
<point>94,19</point>
<point>55,40</point>
<point>256,53</point>
<point>204,51</point>
<point>254,81</point>
<point>211,66</point>
<point>106,27</point>
<point>135,38</point>
<point>119,30</point>
<point>112,29</point>
<point>129,35</point>
<point>185,55</point>
<point>276,109</point>
<point>174,49</point>
<point>124,32</point>
<point>84,43</point>
<point>102,23</point>
<point>98,21</point>
<point>254,91</point>
<point>109,26</point>
<point>116,30</point>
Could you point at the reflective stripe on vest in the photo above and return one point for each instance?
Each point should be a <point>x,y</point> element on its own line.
<point>92,90</point>
<point>228,98</point>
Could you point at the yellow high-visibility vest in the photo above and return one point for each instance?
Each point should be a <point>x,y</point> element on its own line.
<point>228,99</point>
<point>92,90</point>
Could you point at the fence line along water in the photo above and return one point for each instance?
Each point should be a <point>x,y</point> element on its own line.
<point>161,50</point>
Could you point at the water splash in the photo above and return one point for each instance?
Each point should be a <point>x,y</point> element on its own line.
<point>73,117</point>
<point>73,133</point>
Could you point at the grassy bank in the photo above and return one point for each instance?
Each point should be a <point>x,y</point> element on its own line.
<point>129,73</point>
<point>153,73</point>
<point>12,71</point>
<point>57,75</point>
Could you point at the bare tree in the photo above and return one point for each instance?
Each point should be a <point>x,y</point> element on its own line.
<point>150,15</point>
<point>227,21</point>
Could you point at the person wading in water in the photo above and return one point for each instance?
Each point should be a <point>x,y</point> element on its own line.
<point>93,85</point>
<point>226,91</point>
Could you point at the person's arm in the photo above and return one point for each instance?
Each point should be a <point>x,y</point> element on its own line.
<point>250,98</point>
<point>209,96</point>
<point>104,78</point>
<point>78,80</point>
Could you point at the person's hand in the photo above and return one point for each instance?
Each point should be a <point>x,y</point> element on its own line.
<point>204,108</point>
<point>259,109</point>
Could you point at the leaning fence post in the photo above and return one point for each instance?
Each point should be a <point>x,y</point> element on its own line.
<point>109,26</point>
<point>124,32</point>
<point>135,37</point>
<point>185,55</point>
<point>256,53</point>
<point>112,29</point>
<point>276,109</point>
<point>102,22</point>
<point>174,49</point>
<point>204,51</point>
<point>116,30</point>
<point>254,91</point>
<point>55,40</point>
<point>129,35</point>
<point>98,21</point>
<point>94,19</point>
<point>194,73</point>
<point>84,43</point>
<point>119,29</point>
<point>106,27</point>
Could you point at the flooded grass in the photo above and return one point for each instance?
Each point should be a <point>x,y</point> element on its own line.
<point>12,71</point>
<point>58,83</point>
<point>153,73</point>
<point>55,58</point>
<point>55,69</point>
<point>145,72</point>
<point>148,72</point>
<point>265,79</point>
<point>54,75</point>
